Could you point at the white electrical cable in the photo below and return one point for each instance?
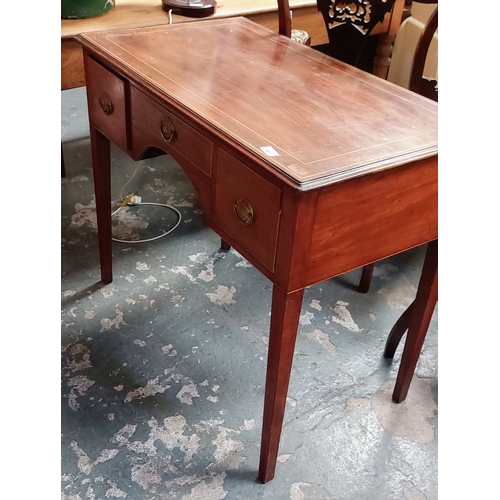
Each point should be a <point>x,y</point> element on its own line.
<point>129,181</point>
<point>179,217</point>
<point>155,237</point>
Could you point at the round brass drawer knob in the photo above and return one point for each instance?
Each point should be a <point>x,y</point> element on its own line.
<point>244,211</point>
<point>106,104</point>
<point>167,129</point>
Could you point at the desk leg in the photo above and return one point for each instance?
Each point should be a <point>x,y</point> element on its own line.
<point>366,278</point>
<point>224,245</point>
<point>102,187</point>
<point>418,321</point>
<point>285,314</point>
<point>63,166</point>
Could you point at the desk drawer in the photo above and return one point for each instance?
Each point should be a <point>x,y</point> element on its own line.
<point>106,101</point>
<point>248,208</point>
<point>154,125</point>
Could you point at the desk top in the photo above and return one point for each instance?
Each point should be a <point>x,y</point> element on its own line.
<point>313,118</point>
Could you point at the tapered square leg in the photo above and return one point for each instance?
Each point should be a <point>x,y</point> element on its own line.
<point>285,315</point>
<point>102,186</point>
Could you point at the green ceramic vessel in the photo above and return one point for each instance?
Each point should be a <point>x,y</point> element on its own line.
<point>80,9</point>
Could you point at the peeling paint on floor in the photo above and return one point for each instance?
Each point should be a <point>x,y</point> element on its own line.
<point>344,317</point>
<point>412,417</point>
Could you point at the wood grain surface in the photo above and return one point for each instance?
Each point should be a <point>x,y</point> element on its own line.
<point>306,166</point>
<point>252,84</point>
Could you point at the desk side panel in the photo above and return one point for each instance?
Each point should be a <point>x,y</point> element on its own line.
<point>367,219</point>
<point>72,69</point>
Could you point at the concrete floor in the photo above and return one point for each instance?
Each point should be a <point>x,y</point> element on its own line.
<point>163,370</point>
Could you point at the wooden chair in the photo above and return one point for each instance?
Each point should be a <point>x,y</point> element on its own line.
<point>349,24</point>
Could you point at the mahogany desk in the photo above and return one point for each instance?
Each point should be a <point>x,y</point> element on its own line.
<point>141,13</point>
<point>306,166</point>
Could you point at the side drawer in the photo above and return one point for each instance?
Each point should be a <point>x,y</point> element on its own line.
<point>106,102</point>
<point>248,208</point>
<point>154,125</point>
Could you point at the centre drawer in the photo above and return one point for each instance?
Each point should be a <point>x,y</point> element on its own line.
<point>154,125</point>
<point>247,208</point>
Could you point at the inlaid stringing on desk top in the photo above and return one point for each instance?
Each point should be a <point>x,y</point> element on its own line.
<point>213,94</point>
<point>341,122</point>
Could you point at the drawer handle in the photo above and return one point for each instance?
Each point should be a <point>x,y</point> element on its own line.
<point>106,104</point>
<point>167,129</point>
<point>244,211</point>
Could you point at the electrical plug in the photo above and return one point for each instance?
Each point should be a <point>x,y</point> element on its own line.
<point>131,199</point>
<point>135,200</point>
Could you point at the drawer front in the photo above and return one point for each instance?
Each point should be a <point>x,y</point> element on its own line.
<point>106,101</point>
<point>248,208</point>
<point>154,125</point>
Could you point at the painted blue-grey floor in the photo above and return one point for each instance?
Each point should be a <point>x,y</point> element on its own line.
<point>163,370</point>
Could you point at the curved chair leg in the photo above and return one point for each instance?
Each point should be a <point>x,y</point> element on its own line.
<point>224,245</point>
<point>397,332</point>
<point>366,278</point>
<point>418,322</point>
